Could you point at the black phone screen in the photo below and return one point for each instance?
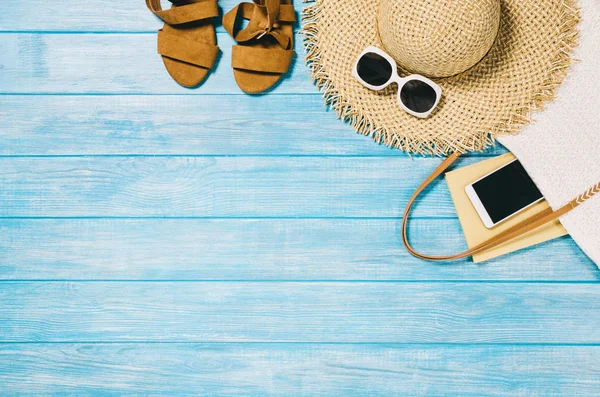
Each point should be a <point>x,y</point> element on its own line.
<point>506,191</point>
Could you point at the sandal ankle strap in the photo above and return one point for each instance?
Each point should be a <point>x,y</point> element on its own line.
<point>264,20</point>
<point>185,13</point>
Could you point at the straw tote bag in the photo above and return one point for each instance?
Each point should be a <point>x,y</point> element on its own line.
<point>560,151</point>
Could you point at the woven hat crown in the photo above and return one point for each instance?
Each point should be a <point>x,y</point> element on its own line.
<point>438,38</point>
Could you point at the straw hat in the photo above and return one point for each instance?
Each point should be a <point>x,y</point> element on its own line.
<point>495,60</point>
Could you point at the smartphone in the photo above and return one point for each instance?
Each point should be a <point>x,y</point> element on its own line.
<point>503,193</point>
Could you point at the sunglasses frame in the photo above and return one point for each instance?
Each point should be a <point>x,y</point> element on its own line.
<point>401,81</point>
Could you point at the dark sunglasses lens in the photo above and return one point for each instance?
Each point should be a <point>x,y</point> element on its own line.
<point>374,69</point>
<point>418,96</point>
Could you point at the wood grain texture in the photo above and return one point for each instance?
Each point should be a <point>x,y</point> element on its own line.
<point>262,249</point>
<point>341,312</point>
<point>90,16</point>
<point>181,124</point>
<point>115,64</point>
<point>218,187</point>
<point>299,369</point>
<point>212,248</point>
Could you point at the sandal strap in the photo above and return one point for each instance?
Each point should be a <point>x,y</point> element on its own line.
<point>259,24</point>
<point>188,12</point>
<point>271,9</point>
<point>186,50</point>
<point>258,59</point>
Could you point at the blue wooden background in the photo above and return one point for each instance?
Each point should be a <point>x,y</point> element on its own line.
<point>155,239</point>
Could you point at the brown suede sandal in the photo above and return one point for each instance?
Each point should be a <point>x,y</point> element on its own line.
<point>265,47</point>
<point>187,41</point>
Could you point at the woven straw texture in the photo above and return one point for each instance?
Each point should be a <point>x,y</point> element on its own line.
<point>527,62</point>
<point>438,38</point>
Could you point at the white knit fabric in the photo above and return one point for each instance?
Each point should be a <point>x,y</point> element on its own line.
<point>561,150</point>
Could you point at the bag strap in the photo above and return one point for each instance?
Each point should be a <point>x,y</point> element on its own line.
<point>518,230</point>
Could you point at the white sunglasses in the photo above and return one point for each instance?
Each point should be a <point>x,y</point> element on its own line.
<point>417,94</point>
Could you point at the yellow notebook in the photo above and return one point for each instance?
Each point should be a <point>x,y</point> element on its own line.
<point>474,229</point>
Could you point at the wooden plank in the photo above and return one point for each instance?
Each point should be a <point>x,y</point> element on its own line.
<point>90,16</point>
<point>115,64</point>
<point>266,249</point>
<point>206,125</point>
<point>299,369</point>
<point>300,312</point>
<point>218,187</point>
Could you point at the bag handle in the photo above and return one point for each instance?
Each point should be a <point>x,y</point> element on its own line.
<point>518,230</point>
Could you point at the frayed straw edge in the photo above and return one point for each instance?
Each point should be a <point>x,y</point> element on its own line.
<point>439,146</point>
